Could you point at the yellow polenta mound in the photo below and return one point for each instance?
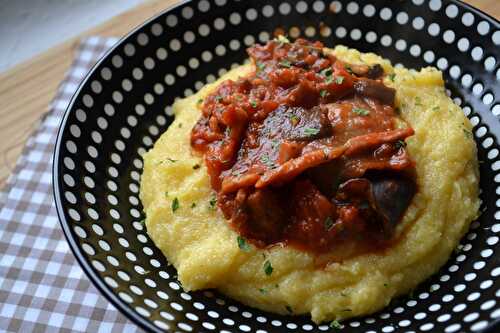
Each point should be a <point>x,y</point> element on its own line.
<point>197,239</point>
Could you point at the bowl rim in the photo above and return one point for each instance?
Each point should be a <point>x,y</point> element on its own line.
<point>77,251</point>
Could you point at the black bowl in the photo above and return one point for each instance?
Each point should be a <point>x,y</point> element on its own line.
<point>123,106</point>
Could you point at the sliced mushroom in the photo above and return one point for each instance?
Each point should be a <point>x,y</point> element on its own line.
<point>391,198</point>
<point>375,89</point>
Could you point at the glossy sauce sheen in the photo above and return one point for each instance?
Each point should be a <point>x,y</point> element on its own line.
<point>306,151</point>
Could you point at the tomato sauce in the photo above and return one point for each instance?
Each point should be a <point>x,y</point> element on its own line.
<point>307,150</point>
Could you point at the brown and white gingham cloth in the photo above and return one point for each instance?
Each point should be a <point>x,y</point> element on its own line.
<point>42,287</point>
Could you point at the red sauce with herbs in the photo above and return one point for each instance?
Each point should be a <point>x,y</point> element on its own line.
<point>306,151</point>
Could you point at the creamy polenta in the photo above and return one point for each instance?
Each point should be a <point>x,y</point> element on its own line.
<point>185,224</point>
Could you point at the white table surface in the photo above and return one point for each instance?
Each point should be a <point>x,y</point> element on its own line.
<point>28,27</point>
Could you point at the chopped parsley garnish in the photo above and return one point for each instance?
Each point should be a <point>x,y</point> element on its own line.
<point>175,204</point>
<point>418,101</point>
<point>267,161</point>
<point>263,291</point>
<point>166,193</point>
<point>346,310</point>
<point>436,108</point>
<point>309,131</point>
<point>400,144</point>
<point>335,324</point>
<point>171,160</point>
<point>392,76</point>
<point>323,93</point>
<point>282,39</point>
<point>343,294</point>
<point>199,101</point>
<point>196,166</point>
<point>260,66</point>
<point>348,68</point>
<point>339,79</point>
<point>459,248</point>
<point>253,104</point>
<point>386,285</point>
<point>328,223</point>
<point>193,205</point>
<point>213,202</point>
<point>285,63</point>
<point>268,268</point>
<point>294,119</point>
<point>289,308</point>
<point>361,111</point>
<point>326,72</point>
<point>468,134</point>
<point>242,244</point>
<point>180,125</point>
<point>143,222</point>
<point>218,98</point>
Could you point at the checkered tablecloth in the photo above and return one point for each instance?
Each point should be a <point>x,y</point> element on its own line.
<point>42,287</point>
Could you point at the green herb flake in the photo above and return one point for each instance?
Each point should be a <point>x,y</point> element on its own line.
<point>309,131</point>
<point>199,101</point>
<point>348,68</point>
<point>468,134</point>
<point>193,205</point>
<point>294,119</point>
<point>361,111</point>
<point>323,93</point>
<point>260,66</point>
<point>213,202</point>
<point>264,159</point>
<point>335,324</point>
<point>436,108</point>
<point>392,76</point>
<point>386,285</point>
<point>180,125</point>
<point>346,310</point>
<point>326,72</point>
<point>171,160</point>
<point>253,103</point>
<point>289,309</point>
<point>339,79</point>
<point>218,98</point>
<point>459,248</point>
<point>400,144</point>
<point>196,167</point>
<point>166,193</point>
<point>242,244</point>
<point>175,204</point>
<point>343,294</point>
<point>143,222</point>
<point>268,268</point>
<point>328,223</point>
<point>282,39</point>
<point>262,291</point>
<point>418,101</point>
<point>285,63</point>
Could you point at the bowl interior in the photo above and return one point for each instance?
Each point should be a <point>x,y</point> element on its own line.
<point>125,104</point>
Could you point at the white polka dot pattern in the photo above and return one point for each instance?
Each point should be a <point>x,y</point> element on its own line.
<point>125,105</point>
